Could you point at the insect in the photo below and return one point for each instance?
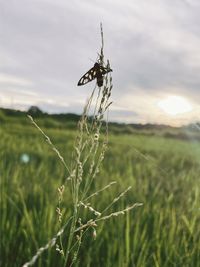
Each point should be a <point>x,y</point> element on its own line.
<point>96,72</point>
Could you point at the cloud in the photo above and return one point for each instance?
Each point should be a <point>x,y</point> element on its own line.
<point>154,48</point>
<point>6,79</point>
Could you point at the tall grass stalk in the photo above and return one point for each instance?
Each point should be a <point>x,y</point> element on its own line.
<point>82,176</point>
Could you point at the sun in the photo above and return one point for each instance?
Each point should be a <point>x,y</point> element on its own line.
<point>174,105</point>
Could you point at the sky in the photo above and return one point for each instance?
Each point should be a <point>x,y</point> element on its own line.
<point>153,47</point>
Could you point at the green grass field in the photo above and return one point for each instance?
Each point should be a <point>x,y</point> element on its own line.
<point>164,174</point>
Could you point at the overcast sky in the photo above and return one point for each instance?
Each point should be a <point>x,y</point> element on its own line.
<point>153,47</point>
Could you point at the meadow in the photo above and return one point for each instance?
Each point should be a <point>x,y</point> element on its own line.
<point>163,172</point>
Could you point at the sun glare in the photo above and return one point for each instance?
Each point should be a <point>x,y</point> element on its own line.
<point>174,105</point>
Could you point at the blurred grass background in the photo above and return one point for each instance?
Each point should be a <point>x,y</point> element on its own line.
<point>161,164</point>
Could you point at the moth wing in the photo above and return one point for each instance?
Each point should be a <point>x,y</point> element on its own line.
<point>104,70</point>
<point>88,76</point>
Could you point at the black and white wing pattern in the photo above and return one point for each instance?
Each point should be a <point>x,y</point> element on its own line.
<point>96,72</point>
<point>90,75</point>
<point>104,70</point>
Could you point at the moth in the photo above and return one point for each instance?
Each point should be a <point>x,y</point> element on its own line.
<point>96,72</point>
